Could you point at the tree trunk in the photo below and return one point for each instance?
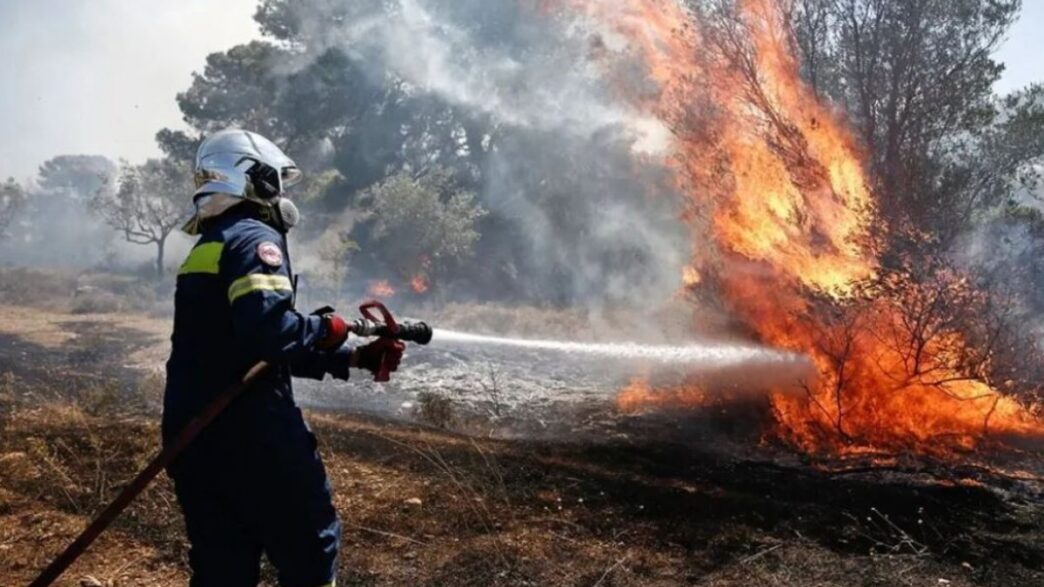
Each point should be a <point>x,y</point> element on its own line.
<point>159,256</point>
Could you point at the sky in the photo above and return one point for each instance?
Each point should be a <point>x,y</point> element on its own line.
<point>100,76</point>
<point>1023,53</point>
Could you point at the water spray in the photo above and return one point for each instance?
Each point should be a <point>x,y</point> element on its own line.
<point>706,355</point>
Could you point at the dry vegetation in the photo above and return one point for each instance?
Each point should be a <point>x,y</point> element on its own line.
<point>428,507</point>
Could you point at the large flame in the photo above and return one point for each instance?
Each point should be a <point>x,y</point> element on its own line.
<point>790,214</point>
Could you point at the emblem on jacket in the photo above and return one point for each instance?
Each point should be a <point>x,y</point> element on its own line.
<point>270,254</point>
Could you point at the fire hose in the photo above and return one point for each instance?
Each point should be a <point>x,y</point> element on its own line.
<point>370,325</point>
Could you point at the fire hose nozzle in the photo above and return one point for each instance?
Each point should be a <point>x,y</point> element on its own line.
<point>387,327</point>
<point>416,332</point>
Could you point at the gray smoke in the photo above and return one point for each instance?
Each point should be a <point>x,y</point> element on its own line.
<point>575,169</point>
<point>1008,252</point>
<point>57,228</point>
<point>502,60</point>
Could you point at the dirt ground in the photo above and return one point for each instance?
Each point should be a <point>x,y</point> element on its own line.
<point>420,506</point>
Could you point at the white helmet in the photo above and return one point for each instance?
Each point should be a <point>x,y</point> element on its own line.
<point>237,165</point>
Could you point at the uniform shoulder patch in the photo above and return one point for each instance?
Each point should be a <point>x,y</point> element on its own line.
<point>270,254</point>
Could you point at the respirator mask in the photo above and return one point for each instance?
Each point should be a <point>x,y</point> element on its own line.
<point>266,188</point>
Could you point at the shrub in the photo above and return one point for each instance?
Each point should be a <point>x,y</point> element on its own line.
<point>423,226</point>
<point>96,302</point>
<point>24,286</point>
<point>434,409</point>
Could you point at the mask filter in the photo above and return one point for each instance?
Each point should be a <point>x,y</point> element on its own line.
<point>288,213</point>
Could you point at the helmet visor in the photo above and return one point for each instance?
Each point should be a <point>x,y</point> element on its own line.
<point>291,176</point>
<point>222,167</point>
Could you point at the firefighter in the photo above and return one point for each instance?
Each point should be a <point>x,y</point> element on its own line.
<point>253,483</point>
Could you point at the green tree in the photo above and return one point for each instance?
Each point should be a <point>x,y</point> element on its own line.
<point>282,19</point>
<point>12,199</point>
<point>238,88</point>
<point>955,168</point>
<point>424,225</point>
<point>329,268</point>
<point>178,145</point>
<point>917,77</point>
<point>77,176</point>
<point>146,203</point>
<point>330,108</point>
<point>50,229</point>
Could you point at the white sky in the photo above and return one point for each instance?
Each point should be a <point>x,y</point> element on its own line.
<point>99,76</point>
<point>1023,53</point>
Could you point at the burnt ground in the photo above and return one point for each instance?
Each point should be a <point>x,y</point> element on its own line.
<point>425,506</point>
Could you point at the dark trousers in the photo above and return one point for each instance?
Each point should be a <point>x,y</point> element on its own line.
<point>253,484</point>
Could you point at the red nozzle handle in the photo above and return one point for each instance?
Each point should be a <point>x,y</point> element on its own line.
<point>386,316</point>
<point>383,374</point>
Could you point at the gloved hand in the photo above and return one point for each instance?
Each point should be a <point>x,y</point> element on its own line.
<point>382,353</point>
<point>335,332</point>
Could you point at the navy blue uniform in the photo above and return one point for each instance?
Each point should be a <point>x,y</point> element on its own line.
<point>253,481</point>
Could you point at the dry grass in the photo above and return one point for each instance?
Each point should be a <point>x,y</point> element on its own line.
<point>28,287</point>
<point>424,507</point>
<point>80,292</point>
<point>428,508</point>
<point>62,462</point>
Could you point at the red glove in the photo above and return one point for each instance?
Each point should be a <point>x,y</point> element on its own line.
<point>335,332</point>
<point>380,357</point>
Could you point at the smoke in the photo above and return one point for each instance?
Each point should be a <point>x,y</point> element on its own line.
<point>51,230</point>
<point>1008,253</point>
<point>575,172</point>
<point>57,228</point>
<point>505,61</point>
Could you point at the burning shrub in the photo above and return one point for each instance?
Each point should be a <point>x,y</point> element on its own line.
<point>948,323</point>
<point>638,396</point>
<point>908,363</point>
<point>778,180</point>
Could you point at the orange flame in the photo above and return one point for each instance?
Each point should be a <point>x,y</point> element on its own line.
<point>790,215</point>
<point>639,396</point>
<point>420,284</point>
<point>381,289</point>
<point>691,277</point>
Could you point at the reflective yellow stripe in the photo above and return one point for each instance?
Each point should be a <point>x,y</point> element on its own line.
<point>204,258</point>
<point>258,282</point>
